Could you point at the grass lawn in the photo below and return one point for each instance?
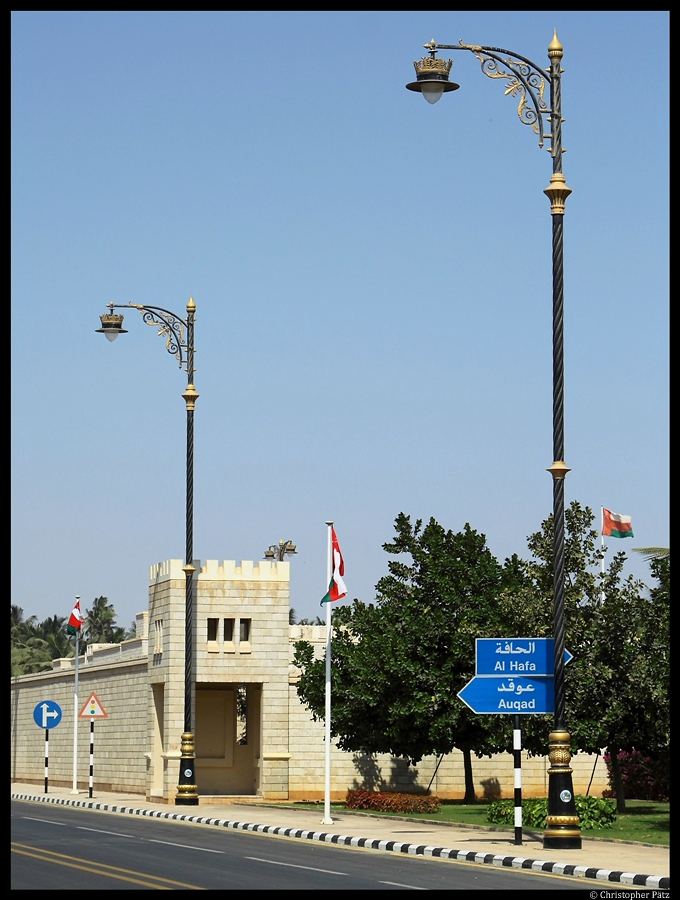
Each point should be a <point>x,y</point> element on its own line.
<point>644,821</point>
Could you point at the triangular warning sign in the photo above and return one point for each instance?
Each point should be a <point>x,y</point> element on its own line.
<point>92,709</point>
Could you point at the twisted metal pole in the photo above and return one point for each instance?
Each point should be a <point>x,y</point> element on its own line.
<point>187,794</point>
<point>562,823</point>
<point>181,346</point>
<point>526,80</point>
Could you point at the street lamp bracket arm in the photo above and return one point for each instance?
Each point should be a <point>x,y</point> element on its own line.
<point>171,326</point>
<point>525,80</point>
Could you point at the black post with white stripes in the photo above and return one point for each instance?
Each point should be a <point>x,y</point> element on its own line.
<point>47,754</point>
<point>517,758</point>
<point>91,754</point>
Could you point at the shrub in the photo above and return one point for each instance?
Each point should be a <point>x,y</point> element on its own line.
<point>644,778</point>
<point>593,812</point>
<point>534,811</point>
<point>386,801</point>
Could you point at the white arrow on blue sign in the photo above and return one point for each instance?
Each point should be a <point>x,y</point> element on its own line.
<point>516,656</point>
<point>47,714</point>
<point>524,695</point>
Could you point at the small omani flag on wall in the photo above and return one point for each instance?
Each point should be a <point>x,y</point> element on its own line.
<point>614,525</point>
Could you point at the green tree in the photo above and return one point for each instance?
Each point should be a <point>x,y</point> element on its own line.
<point>397,665</point>
<point>53,631</point>
<point>651,553</point>
<point>100,627</point>
<point>35,644</point>
<point>616,686</point>
<point>29,653</point>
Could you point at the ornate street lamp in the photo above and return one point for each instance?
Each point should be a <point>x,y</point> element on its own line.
<point>179,343</point>
<point>527,81</point>
<point>280,551</point>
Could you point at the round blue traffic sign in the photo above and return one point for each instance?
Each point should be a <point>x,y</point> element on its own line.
<point>47,714</point>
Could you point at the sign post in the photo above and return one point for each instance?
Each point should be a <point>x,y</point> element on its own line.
<point>92,710</point>
<point>47,715</point>
<point>513,676</point>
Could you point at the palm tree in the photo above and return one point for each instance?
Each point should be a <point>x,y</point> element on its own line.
<point>29,653</point>
<point>654,552</point>
<point>101,625</point>
<point>21,628</point>
<point>53,632</point>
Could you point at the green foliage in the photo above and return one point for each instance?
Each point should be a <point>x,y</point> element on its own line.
<point>651,553</point>
<point>386,801</point>
<point>35,644</point>
<point>101,626</point>
<point>398,664</point>
<point>29,652</point>
<point>617,685</point>
<point>593,812</point>
<point>29,657</point>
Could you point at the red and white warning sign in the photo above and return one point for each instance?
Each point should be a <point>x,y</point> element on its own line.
<point>93,709</point>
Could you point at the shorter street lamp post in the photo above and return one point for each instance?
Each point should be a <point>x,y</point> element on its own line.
<point>527,81</point>
<point>179,343</point>
<point>280,551</point>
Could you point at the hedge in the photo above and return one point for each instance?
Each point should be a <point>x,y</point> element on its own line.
<point>386,801</point>
<point>593,812</point>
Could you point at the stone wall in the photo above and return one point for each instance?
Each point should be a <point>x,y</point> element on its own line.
<point>120,741</point>
<point>140,684</point>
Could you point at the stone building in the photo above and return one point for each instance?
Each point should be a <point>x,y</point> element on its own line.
<point>253,736</point>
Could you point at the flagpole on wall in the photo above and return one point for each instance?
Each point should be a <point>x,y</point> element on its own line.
<point>327,820</point>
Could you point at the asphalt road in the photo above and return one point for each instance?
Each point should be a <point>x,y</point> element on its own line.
<point>62,848</point>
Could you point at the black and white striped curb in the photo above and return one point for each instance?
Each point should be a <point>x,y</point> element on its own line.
<point>470,856</point>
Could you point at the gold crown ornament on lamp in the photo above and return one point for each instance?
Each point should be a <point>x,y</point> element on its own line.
<point>432,76</point>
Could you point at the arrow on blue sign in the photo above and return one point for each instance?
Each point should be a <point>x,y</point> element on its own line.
<point>516,696</point>
<point>47,714</point>
<point>516,656</point>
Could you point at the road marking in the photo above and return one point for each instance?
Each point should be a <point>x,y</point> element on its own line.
<point>186,846</point>
<point>49,821</point>
<point>273,862</point>
<point>98,869</point>
<point>100,831</point>
<point>409,887</point>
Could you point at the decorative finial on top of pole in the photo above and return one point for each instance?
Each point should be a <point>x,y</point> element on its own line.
<point>191,306</point>
<point>555,49</point>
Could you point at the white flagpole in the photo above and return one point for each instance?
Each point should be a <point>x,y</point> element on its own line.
<point>74,789</point>
<point>602,561</point>
<point>327,820</point>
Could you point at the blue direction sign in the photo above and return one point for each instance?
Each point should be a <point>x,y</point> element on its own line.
<point>528,695</point>
<point>47,714</point>
<point>516,656</point>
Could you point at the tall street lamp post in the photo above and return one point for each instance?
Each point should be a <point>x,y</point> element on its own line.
<point>179,334</point>
<point>527,81</point>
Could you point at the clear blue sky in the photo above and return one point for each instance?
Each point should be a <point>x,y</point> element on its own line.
<point>372,278</point>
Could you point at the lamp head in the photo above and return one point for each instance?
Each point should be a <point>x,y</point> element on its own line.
<point>112,326</point>
<point>432,76</point>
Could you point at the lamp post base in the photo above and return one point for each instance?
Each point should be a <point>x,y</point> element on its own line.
<point>565,839</point>
<point>187,794</point>
<point>562,831</point>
